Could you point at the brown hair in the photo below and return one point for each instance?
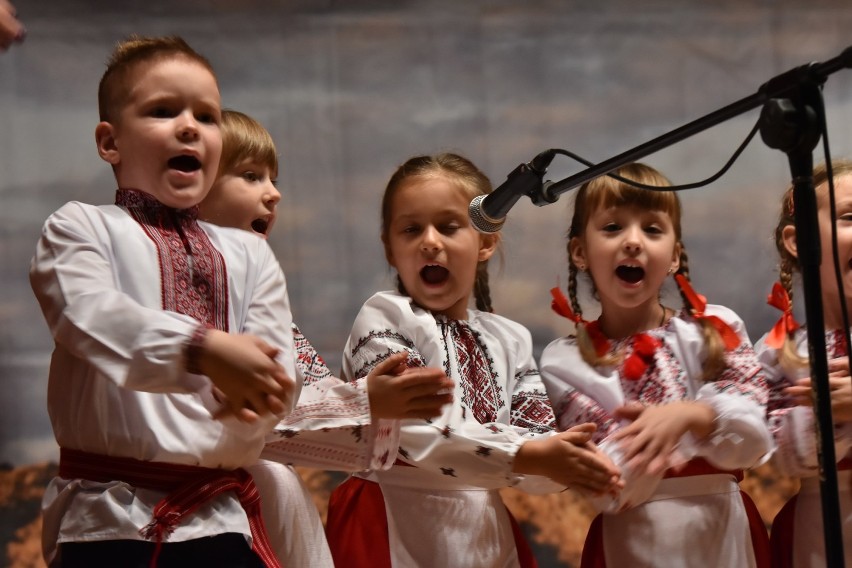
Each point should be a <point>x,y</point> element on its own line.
<point>128,55</point>
<point>789,264</point>
<point>244,138</point>
<point>605,192</point>
<point>468,178</point>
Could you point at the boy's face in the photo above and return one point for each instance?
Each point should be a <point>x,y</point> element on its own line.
<point>166,139</point>
<point>244,197</point>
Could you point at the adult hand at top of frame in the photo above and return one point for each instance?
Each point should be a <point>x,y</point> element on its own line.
<point>11,30</point>
<point>397,391</point>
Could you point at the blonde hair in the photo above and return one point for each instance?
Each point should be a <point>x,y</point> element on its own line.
<point>468,178</point>
<point>789,356</point>
<point>606,192</point>
<point>115,84</point>
<point>244,138</point>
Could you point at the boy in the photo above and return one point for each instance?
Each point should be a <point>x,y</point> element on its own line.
<point>149,312</point>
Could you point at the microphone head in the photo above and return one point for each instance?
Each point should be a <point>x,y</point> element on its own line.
<point>482,222</point>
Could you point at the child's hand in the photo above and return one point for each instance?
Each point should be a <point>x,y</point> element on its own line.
<point>244,372</point>
<point>840,387</point>
<point>398,392</point>
<point>570,458</point>
<point>650,440</point>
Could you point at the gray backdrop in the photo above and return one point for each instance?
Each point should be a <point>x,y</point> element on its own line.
<point>351,89</point>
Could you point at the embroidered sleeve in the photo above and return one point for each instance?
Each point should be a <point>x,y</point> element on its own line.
<point>331,426</point>
<point>739,395</point>
<point>573,386</point>
<point>793,427</point>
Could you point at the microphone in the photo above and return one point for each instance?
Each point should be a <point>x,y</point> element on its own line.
<point>488,212</point>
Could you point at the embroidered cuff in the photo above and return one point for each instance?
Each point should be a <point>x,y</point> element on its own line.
<point>192,351</point>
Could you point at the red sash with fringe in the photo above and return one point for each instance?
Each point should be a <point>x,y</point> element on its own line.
<point>188,488</point>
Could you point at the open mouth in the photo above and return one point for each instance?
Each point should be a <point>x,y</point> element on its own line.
<point>185,163</point>
<point>434,274</point>
<point>260,225</point>
<point>630,274</point>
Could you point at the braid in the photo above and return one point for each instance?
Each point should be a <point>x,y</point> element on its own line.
<point>481,288</point>
<point>788,356</point>
<point>715,362</point>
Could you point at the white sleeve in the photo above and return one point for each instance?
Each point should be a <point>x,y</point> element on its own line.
<point>89,315</point>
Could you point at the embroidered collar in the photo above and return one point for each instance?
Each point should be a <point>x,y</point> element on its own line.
<point>137,199</point>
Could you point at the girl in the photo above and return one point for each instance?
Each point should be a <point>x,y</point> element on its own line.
<point>335,425</point>
<point>677,395</point>
<point>797,531</point>
<point>439,504</point>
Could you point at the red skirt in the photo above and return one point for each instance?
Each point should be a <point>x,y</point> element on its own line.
<point>357,528</point>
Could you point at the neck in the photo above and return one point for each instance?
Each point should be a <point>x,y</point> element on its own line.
<point>617,323</point>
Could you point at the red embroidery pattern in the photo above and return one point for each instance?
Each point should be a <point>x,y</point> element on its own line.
<point>309,363</point>
<point>193,277</point>
<point>482,394</point>
<point>532,410</point>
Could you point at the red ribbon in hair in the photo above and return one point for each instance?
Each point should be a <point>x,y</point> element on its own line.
<point>698,303</point>
<point>560,306</point>
<point>786,324</point>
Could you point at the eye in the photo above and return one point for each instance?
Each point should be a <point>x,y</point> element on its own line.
<point>654,230</point>
<point>450,228</point>
<point>611,228</point>
<point>207,118</point>
<point>160,112</point>
<point>411,229</point>
<point>251,176</point>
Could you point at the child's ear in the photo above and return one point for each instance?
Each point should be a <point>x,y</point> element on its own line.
<point>577,252</point>
<point>788,236</point>
<point>487,245</point>
<point>105,140</point>
<point>676,258</point>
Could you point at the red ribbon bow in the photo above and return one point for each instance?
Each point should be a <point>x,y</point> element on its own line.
<point>786,324</point>
<point>560,306</point>
<point>644,347</point>
<point>698,303</point>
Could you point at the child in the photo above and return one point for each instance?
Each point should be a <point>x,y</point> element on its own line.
<point>677,396</point>
<point>439,504</point>
<point>149,309</point>
<point>797,532</point>
<point>335,425</point>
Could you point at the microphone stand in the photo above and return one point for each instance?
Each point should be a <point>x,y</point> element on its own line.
<point>792,105</point>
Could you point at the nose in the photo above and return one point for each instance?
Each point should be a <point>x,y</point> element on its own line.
<point>430,241</point>
<point>633,240</point>
<point>271,195</point>
<point>187,129</point>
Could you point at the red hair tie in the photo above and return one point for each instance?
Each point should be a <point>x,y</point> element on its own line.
<point>560,306</point>
<point>698,303</point>
<point>786,324</point>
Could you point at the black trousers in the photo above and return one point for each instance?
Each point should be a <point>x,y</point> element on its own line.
<point>226,550</point>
